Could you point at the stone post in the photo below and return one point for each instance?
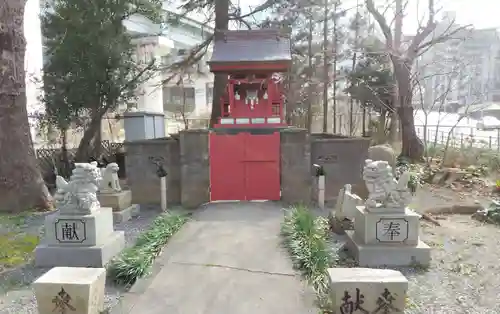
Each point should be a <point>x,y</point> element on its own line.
<point>321,192</point>
<point>195,171</point>
<point>163,191</point>
<point>296,178</point>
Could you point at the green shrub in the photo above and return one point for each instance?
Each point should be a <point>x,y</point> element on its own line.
<point>133,263</point>
<point>306,239</point>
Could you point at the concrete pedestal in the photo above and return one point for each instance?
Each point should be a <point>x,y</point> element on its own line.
<point>79,241</point>
<point>121,203</point>
<point>71,290</point>
<point>387,239</point>
<point>378,290</point>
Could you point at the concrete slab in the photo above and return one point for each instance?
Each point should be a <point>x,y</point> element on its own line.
<point>227,260</point>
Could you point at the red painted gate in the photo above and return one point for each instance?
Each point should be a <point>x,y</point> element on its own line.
<point>244,166</point>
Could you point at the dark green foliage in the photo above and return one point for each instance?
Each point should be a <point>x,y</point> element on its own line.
<point>135,262</point>
<point>306,239</point>
<point>90,66</point>
<point>403,165</point>
<point>372,81</point>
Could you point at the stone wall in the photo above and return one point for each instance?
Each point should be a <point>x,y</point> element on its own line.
<point>186,159</point>
<point>342,158</point>
<point>141,172</point>
<point>296,178</point>
<point>195,171</point>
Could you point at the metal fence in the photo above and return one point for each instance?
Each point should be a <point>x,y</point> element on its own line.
<point>459,137</point>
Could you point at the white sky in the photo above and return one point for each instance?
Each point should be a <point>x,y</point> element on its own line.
<point>480,13</point>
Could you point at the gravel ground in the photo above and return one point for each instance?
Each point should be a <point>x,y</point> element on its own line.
<point>465,272</point>
<point>464,276</point>
<point>16,296</point>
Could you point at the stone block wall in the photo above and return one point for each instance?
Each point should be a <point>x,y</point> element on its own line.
<point>141,172</point>
<point>194,168</point>
<point>296,178</point>
<point>186,159</point>
<point>342,158</point>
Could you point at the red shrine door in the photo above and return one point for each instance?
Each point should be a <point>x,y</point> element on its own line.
<point>244,165</point>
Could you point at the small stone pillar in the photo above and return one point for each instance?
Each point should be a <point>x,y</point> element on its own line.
<point>81,234</point>
<point>195,169</point>
<point>162,174</point>
<point>296,177</point>
<point>75,290</point>
<point>320,177</point>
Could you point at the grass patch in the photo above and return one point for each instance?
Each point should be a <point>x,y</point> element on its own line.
<point>15,220</point>
<point>16,249</point>
<point>306,239</point>
<point>135,262</point>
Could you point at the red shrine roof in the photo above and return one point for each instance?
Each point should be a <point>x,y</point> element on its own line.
<point>252,46</point>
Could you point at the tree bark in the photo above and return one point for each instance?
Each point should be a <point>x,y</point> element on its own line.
<point>220,79</point>
<point>87,144</point>
<point>326,62</point>
<point>309,76</point>
<point>21,184</point>
<point>413,147</point>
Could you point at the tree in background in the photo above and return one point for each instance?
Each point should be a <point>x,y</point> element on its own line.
<point>402,61</point>
<point>223,12</point>
<point>317,42</point>
<point>91,64</point>
<point>21,185</point>
<point>371,82</point>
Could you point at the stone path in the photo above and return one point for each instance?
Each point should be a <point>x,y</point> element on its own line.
<point>228,260</point>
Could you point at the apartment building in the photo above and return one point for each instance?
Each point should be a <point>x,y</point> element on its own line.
<point>166,42</point>
<point>463,70</point>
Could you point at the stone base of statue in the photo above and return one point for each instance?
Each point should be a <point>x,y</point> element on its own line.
<point>341,218</point>
<point>79,240</point>
<point>121,203</point>
<point>340,225</point>
<point>386,237</point>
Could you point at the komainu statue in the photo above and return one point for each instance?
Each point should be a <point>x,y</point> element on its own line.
<point>384,190</point>
<point>110,182</point>
<point>78,196</point>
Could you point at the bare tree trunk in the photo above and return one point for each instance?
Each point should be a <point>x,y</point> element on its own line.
<point>335,58</point>
<point>413,148</point>
<point>65,170</point>
<point>21,184</point>
<point>325,67</point>
<point>310,76</point>
<point>220,80</point>
<point>380,136</point>
<point>393,128</point>
<point>183,107</point>
<point>91,135</point>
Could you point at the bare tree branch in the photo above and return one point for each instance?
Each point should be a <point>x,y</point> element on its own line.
<point>386,30</point>
<point>194,56</point>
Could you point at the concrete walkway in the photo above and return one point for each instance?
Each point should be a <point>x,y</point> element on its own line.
<point>227,260</point>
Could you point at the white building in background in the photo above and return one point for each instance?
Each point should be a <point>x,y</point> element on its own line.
<point>166,42</point>
<point>189,96</point>
<point>464,71</point>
